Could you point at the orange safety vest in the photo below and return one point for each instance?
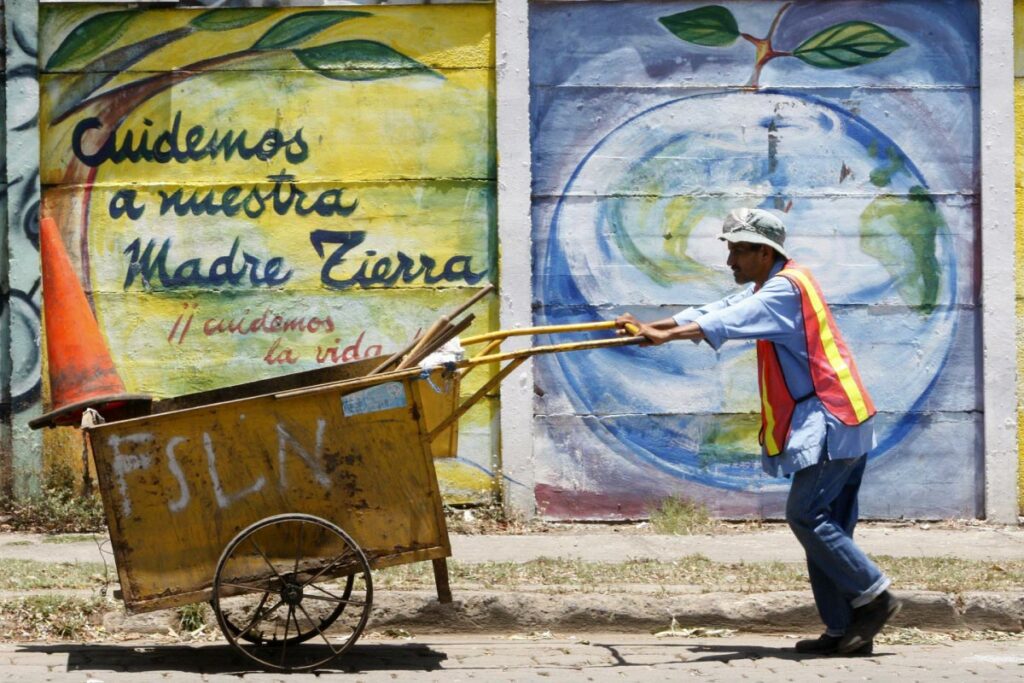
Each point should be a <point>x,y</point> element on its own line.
<point>833,373</point>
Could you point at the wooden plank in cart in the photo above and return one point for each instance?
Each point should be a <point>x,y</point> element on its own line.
<point>178,486</point>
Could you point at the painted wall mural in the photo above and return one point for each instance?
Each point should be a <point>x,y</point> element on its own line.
<point>858,121</point>
<point>21,455</point>
<point>251,192</point>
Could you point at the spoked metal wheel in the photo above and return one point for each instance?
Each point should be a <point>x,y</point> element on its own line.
<point>288,579</point>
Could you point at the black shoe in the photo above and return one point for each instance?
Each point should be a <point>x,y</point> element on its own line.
<point>829,645</point>
<point>867,621</point>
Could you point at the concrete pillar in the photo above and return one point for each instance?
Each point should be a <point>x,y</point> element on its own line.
<point>514,236</point>
<point>997,262</point>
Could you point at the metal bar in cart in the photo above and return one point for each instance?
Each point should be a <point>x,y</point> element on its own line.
<point>410,350</point>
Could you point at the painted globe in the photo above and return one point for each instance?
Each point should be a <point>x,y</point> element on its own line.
<point>636,229</point>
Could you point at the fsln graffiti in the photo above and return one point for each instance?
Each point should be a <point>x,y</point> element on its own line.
<point>138,454</point>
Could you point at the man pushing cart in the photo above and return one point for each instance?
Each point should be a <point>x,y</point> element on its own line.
<point>274,500</point>
<point>816,418</point>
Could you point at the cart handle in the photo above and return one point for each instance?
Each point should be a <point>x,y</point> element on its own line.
<point>517,358</point>
<point>495,339</point>
<point>547,329</point>
<point>553,348</point>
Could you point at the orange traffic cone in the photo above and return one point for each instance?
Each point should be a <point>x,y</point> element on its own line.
<point>82,374</point>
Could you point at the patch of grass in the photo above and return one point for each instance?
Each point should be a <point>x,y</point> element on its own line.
<point>33,575</point>
<point>695,571</point>
<point>495,520</point>
<point>951,574</point>
<point>19,543</point>
<point>681,517</point>
<point>194,617</point>
<point>490,519</point>
<point>55,510</point>
<point>67,538</point>
<point>51,617</point>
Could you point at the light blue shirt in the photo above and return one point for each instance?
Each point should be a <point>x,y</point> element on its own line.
<point>774,313</point>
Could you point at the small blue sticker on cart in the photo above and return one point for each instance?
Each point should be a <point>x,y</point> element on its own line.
<point>374,399</point>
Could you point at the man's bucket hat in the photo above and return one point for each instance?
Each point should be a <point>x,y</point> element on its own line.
<point>756,226</point>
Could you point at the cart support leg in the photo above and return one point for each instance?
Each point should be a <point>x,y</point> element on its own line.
<point>444,590</point>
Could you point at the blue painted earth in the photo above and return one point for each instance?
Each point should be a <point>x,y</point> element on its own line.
<point>636,229</point>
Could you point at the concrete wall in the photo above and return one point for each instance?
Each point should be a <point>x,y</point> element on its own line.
<point>621,145</point>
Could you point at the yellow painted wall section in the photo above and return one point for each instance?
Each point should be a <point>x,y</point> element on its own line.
<point>253,192</point>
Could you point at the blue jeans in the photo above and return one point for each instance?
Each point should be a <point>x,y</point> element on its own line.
<point>822,512</point>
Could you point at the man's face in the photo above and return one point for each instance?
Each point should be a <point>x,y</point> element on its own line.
<point>749,262</point>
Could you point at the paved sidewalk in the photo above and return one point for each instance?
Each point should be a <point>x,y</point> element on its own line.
<point>581,656</point>
<point>774,544</point>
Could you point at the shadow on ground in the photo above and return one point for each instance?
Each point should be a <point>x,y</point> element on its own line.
<point>222,659</point>
<point>695,653</point>
<point>737,651</point>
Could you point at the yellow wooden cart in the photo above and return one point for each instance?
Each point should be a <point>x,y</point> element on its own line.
<point>273,500</point>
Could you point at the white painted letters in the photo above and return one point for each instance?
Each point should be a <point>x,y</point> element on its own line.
<point>172,464</point>
<point>314,462</point>
<point>123,464</point>
<point>224,500</point>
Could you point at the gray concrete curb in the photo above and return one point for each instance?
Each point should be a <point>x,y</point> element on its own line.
<point>779,611</point>
<point>494,611</point>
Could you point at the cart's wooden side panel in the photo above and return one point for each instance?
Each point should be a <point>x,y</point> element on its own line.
<point>178,486</point>
<point>437,400</point>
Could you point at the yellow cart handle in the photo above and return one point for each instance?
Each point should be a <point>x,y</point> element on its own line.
<point>494,340</point>
<point>546,329</point>
<point>516,358</point>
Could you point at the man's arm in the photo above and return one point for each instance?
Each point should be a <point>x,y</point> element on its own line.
<point>660,331</point>
<point>773,314</point>
<point>681,325</point>
<point>689,315</point>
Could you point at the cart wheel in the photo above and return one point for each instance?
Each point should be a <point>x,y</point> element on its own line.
<point>326,621</point>
<point>288,579</point>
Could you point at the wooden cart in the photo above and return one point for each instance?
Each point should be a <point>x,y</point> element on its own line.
<point>274,500</point>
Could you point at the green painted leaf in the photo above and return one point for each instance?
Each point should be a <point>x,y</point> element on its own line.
<point>91,37</point>
<point>360,60</point>
<point>101,70</point>
<point>297,28</point>
<point>848,44</point>
<point>713,26</point>
<point>227,19</point>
